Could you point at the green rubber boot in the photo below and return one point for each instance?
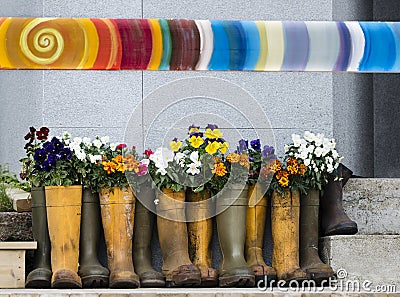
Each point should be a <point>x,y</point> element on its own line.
<point>144,223</point>
<point>92,273</point>
<point>231,225</point>
<point>40,277</point>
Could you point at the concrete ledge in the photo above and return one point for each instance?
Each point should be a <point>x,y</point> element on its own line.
<point>374,203</point>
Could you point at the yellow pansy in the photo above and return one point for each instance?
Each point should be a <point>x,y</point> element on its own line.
<point>224,147</point>
<point>196,141</point>
<point>213,134</point>
<point>194,130</point>
<point>175,145</point>
<point>212,147</point>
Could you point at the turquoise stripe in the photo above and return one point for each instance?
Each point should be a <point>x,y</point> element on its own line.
<point>296,46</point>
<point>167,45</point>
<point>252,44</point>
<point>220,56</point>
<point>237,43</point>
<point>395,27</point>
<point>380,47</point>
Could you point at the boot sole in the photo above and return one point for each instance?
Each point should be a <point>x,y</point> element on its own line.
<point>124,284</point>
<point>95,281</point>
<point>66,284</point>
<point>240,281</point>
<point>209,282</point>
<point>39,283</point>
<point>342,229</point>
<point>184,282</point>
<point>152,284</point>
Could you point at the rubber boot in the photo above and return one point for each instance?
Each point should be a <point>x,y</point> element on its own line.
<point>255,226</point>
<point>200,235</point>
<point>92,273</point>
<point>334,220</point>
<point>310,261</point>
<point>144,225</point>
<point>231,224</point>
<point>40,276</point>
<point>285,234</point>
<point>63,206</point>
<point>172,232</point>
<point>117,213</point>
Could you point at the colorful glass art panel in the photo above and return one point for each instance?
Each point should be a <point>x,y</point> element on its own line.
<point>177,44</point>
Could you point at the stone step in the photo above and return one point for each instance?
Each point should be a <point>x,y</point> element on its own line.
<point>195,292</point>
<point>374,203</point>
<point>364,258</point>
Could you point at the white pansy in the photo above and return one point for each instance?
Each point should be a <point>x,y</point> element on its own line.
<point>178,157</point>
<point>194,157</point>
<point>193,170</point>
<point>307,162</point>
<point>81,155</point>
<point>94,158</point>
<point>325,151</point>
<point>322,167</point>
<point>286,148</point>
<point>318,152</point>
<point>335,154</point>
<point>74,146</point>
<point>167,154</point>
<point>145,162</point>
<point>329,168</point>
<point>97,143</point>
<point>336,165</point>
<point>310,137</point>
<point>67,141</point>
<point>333,143</point>
<point>303,155</point>
<point>105,139</point>
<point>77,140</point>
<point>328,160</point>
<point>113,146</point>
<point>310,148</point>
<point>319,139</point>
<point>316,169</point>
<point>161,171</point>
<point>86,141</point>
<point>296,140</point>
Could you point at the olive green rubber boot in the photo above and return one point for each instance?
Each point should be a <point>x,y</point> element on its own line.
<point>144,223</point>
<point>92,273</point>
<point>231,226</point>
<point>40,277</point>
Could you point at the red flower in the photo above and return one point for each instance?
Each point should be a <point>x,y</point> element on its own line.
<point>121,146</point>
<point>42,133</point>
<point>148,153</point>
<point>31,135</point>
<point>134,148</point>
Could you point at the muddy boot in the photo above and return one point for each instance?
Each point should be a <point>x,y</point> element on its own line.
<point>309,257</point>
<point>92,273</point>
<point>144,224</point>
<point>334,221</point>
<point>177,268</point>
<point>285,234</point>
<point>231,224</point>
<point>40,276</point>
<point>63,205</point>
<point>255,226</point>
<point>200,235</point>
<point>117,213</point>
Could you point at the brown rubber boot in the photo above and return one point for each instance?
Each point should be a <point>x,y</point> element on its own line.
<point>334,220</point>
<point>200,235</point>
<point>144,225</point>
<point>231,225</point>
<point>255,226</point>
<point>92,273</point>
<point>63,205</point>
<point>172,232</point>
<point>40,276</point>
<point>285,234</point>
<point>310,261</point>
<point>117,212</point>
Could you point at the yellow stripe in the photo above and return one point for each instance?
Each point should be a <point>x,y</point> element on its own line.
<point>262,59</point>
<point>157,45</point>
<point>114,43</point>
<point>276,46</point>
<point>4,61</point>
<point>91,44</point>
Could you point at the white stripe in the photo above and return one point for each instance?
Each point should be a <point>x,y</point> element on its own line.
<point>357,44</point>
<point>324,46</point>
<point>206,44</point>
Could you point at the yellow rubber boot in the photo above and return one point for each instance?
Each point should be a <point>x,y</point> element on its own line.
<point>172,233</point>
<point>63,205</point>
<point>285,235</point>
<point>255,226</point>
<point>200,235</point>
<point>117,212</point>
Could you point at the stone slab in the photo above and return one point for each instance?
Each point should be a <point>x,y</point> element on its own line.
<point>372,258</point>
<point>374,203</point>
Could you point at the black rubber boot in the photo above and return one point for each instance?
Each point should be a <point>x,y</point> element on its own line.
<point>40,277</point>
<point>92,273</point>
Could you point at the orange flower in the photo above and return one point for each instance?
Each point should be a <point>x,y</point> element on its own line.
<point>131,163</point>
<point>219,169</point>
<point>293,169</point>
<point>275,166</point>
<point>233,158</point>
<point>283,178</point>
<point>118,159</point>
<point>292,162</point>
<point>244,161</point>
<point>110,167</point>
<point>302,169</point>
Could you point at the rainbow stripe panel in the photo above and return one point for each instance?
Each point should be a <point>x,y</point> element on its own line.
<point>178,44</point>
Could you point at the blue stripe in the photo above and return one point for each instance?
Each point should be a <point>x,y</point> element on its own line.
<point>297,46</point>
<point>237,43</point>
<point>252,44</point>
<point>220,56</point>
<point>345,48</point>
<point>395,27</point>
